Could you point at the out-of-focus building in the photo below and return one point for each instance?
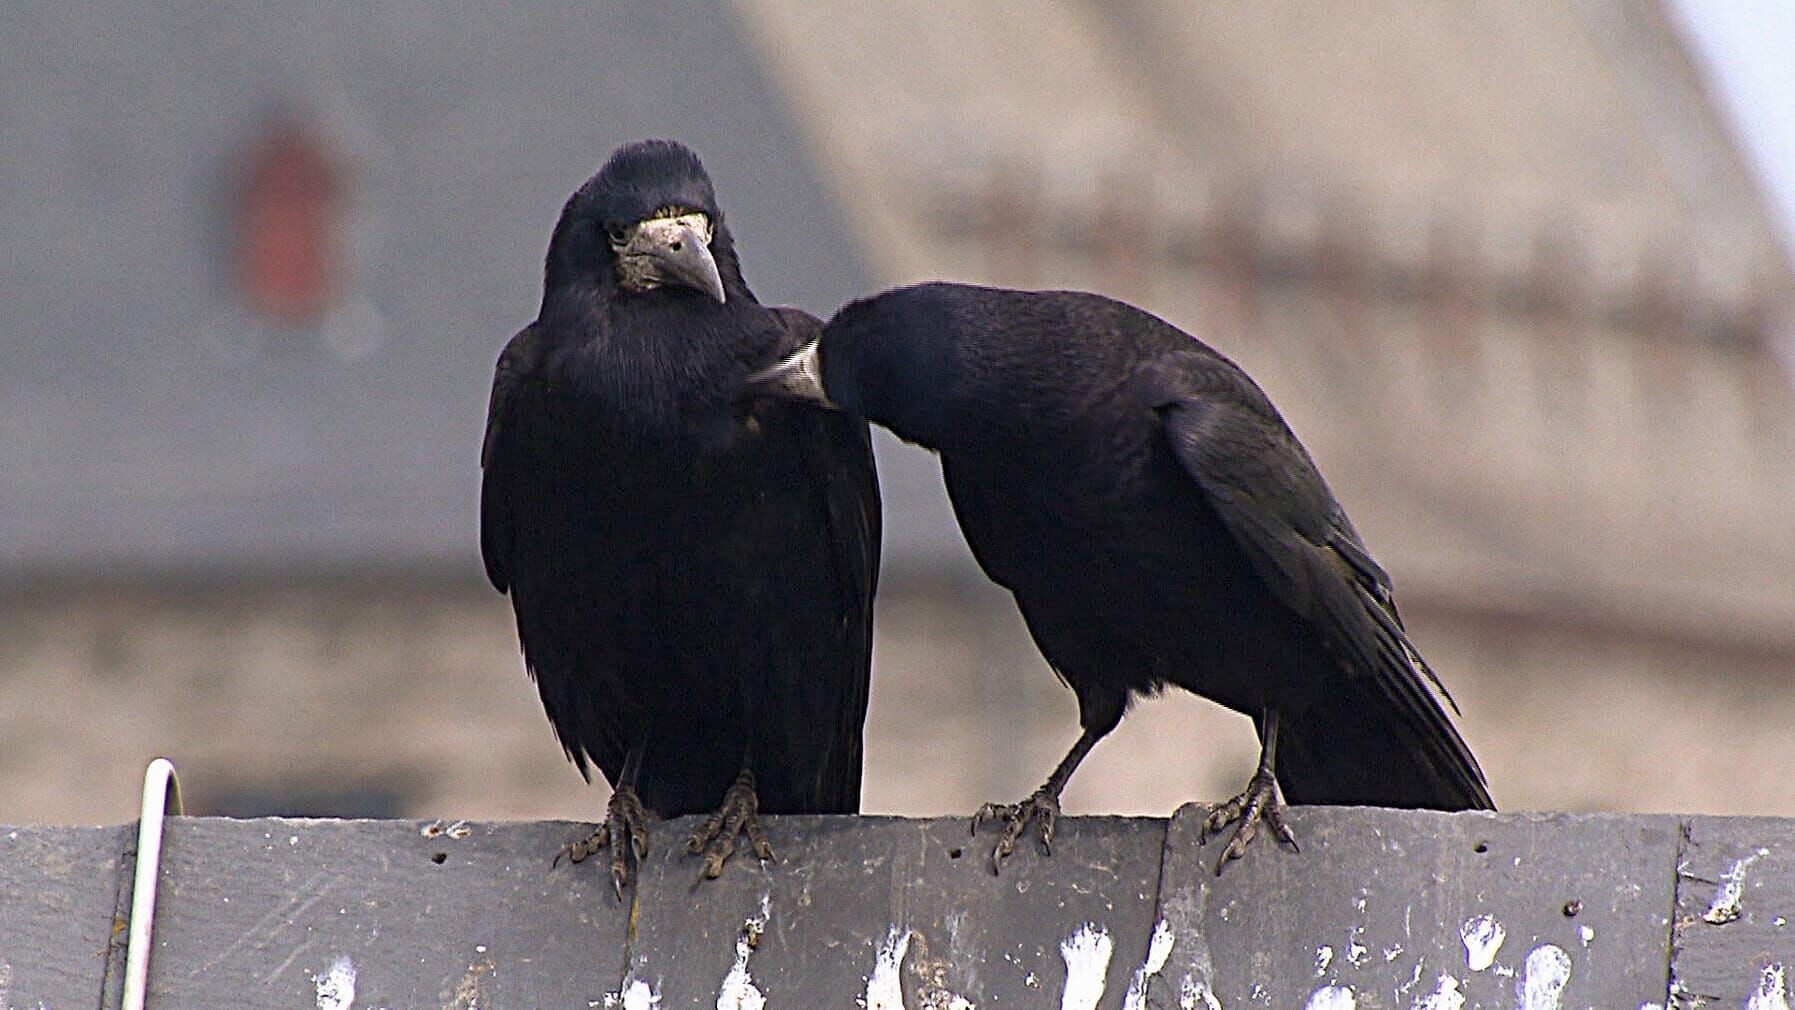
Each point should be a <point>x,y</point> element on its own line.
<point>1505,272</point>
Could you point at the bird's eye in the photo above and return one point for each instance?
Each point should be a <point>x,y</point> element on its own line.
<point>619,235</point>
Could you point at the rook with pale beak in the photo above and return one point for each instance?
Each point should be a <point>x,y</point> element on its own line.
<point>1159,524</point>
<point>692,574</point>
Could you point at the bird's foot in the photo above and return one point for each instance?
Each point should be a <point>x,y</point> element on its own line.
<point>624,831</point>
<point>739,815</point>
<point>1259,802</point>
<point>1043,808</point>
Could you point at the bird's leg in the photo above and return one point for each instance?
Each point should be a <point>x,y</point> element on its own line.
<point>1043,806</point>
<point>624,829</point>
<point>1258,802</point>
<point>739,815</point>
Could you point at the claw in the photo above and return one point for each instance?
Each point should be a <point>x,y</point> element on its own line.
<point>1043,808</point>
<point>626,824</point>
<point>1257,803</point>
<point>739,815</point>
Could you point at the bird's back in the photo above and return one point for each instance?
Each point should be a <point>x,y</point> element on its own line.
<point>1159,523</point>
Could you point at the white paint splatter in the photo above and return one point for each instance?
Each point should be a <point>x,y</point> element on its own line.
<point>1324,956</point>
<point>336,986</point>
<point>1332,997</point>
<point>1086,953</point>
<point>1543,977</point>
<point>738,991</point>
<point>1194,994</point>
<point>1414,980</point>
<point>884,987</point>
<point>1444,997</point>
<point>1772,993</point>
<point>1651,1006</point>
<point>1357,954</point>
<point>1159,949</point>
<point>1392,953</point>
<point>1482,936</point>
<point>1725,907</point>
<point>1585,934</point>
<point>639,995</point>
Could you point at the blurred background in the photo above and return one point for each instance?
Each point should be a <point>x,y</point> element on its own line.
<point>1518,274</point>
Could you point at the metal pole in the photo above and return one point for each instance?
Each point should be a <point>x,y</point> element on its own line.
<point>161,795</point>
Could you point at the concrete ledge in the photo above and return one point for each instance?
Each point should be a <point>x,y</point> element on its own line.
<point>1381,909</point>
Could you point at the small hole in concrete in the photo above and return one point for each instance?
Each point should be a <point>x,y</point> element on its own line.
<point>953,853</point>
<point>1572,907</point>
<point>439,858</point>
<point>1481,847</point>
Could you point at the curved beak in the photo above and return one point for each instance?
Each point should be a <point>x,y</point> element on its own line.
<point>799,377</point>
<point>677,250</point>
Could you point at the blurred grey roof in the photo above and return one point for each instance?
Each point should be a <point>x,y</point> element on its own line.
<point>151,420</point>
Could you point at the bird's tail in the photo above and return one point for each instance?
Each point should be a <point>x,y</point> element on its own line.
<point>1350,751</point>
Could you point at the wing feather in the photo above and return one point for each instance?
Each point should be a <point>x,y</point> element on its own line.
<point>1272,499</point>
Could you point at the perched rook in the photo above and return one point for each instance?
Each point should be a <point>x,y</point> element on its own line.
<point>692,574</point>
<point>1158,523</point>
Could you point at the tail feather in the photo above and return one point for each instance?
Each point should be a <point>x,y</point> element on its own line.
<point>1351,752</point>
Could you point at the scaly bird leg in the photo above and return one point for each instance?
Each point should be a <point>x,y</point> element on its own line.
<point>739,815</point>
<point>1043,807</point>
<point>625,824</point>
<point>1258,802</point>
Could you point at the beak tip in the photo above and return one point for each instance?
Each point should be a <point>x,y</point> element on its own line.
<point>798,377</point>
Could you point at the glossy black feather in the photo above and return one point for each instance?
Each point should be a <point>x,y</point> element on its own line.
<point>1158,523</point>
<point>683,565</point>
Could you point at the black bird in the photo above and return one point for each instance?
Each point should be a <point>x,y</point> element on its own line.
<point>692,573</point>
<point>1158,523</point>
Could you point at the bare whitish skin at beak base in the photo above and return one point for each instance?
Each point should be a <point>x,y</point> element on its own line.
<point>799,377</point>
<point>673,250</point>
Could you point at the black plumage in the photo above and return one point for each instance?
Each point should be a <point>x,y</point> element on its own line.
<point>1158,523</point>
<point>692,574</point>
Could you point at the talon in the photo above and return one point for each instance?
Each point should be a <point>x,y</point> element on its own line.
<point>757,840</point>
<point>1042,808</point>
<point>1274,816</point>
<point>705,832</point>
<point>739,815</point>
<point>715,858</point>
<point>626,825</point>
<point>1257,804</point>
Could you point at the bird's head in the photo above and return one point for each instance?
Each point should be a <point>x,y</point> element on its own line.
<point>648,221</point>
<point>895,359</point>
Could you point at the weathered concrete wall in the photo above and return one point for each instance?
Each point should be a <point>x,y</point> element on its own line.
<point>403,699</point>
<point>1380,909</point>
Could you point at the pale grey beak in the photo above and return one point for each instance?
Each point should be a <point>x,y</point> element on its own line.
<point>677,250</point>
<point>799,377</point>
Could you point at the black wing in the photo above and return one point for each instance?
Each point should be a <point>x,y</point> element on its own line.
<point>516,368</point>
<point>1268,493</point>
<point>852,511</point>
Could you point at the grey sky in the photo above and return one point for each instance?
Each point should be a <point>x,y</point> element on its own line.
<point>1747,48</point>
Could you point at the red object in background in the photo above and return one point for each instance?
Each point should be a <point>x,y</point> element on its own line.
<point>290,227</point>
